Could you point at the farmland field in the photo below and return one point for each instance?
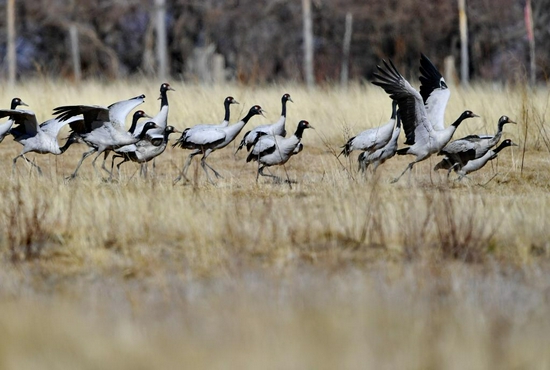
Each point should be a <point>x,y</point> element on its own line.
<point>335,271</point>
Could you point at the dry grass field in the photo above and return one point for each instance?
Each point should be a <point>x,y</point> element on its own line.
<point>336,271</point>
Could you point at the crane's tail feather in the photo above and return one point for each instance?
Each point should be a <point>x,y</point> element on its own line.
<point>347,148</point>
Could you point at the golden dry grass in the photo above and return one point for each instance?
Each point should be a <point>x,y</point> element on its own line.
<point>336,271</point>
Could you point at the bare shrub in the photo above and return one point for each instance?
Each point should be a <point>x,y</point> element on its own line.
<point>415,224</point>
<point>463,231</point>
<point>26,230</point>
<point>439,224</point>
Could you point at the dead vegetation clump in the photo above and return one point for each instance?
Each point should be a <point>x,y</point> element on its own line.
<point>28,224</point>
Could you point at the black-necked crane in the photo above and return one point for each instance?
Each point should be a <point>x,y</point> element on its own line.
<point>372,139</point>
<point>6,126</point>
<point>139,114</point>
<point>478,163</point>
<point>226,103</point>
<point>434,92</point>
<point>206,140</point>
<point>135,118</point>
<point>423,139</point>
<point>277,128</point>
<point>276,150</point>
<point>41,139</point>
<point>381,155</point>
<point>458,152</point>
<point>106,137</point>
<point>103,127</point>
<point>161,118</point>
<point>144,150</point>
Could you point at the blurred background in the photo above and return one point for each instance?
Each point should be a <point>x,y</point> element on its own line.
<point>254,41</point>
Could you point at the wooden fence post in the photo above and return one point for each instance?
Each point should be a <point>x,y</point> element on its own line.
<point>160,16</point>
<point>12,56</point>
<point>344,74</point>
<point>308,43</point>
<point>464,56</point>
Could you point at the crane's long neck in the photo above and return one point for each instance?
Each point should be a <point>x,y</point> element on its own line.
<point>227,104</point>
<point>143,132</point>
<point>299,132</point>
<point>163,98</point>
<point>498,134</point>
<point>458,121</point>
<point>134,124</point>
<point>283,109</point>
<point>71,140</point>
<point>235,129</point>
<point>247,118</point>
<point>499,148</point>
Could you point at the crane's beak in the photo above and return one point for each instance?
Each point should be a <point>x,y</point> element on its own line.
<point>234,102</point>
<point>290,100</point>
<point>21,102</point>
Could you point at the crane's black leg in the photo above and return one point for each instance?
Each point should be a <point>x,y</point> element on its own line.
<point>118,166</point>
<point>409,168</point>
<point>213,170</point>
<point>259,169</point>
<point>84,156</point>
<point>143,168</point>
<point>103,164</point>
<point>183,172</point>
<point>14,162</point>
<point>119,163</point>
<point>261,172</point>
<point>204,165</point>
<point>374,167</point>
<point>93,163</point>
<point>113,163</point>
<point>28,161</point>
<point>34,165</point>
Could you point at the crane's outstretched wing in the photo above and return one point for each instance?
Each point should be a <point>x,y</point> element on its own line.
<point>119,111</point>
<point>434,91</point>
<point>54,125</point>
<point>411,106</point>
<point>24,122</point>
<point>94,115</point>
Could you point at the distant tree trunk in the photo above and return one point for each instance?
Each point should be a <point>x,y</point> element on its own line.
<point>531,38</point>
<point>75,52</point>
<point>344,74</point>
<point>12,56</point>
<point>160,10</point>
<point>450,70</point>
<point>464,57</point>
<point>218,68</point>
<point>148,61</point>
<point>308,43</point>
